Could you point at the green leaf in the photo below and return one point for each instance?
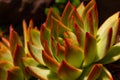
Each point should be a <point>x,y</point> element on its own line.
<point>112,55</point>
<point>36,53</point>
<point>60,52</point>
<point>80,35</point>
<point>29,61</point>
<point>74,55</point>
<point>66,13</point>
<point>73,18</point>
<point>104,44</point>
<point>80,9</point>
<point>39,73</point>
<point>51,63</point>
<point>51,13</point>
<point>105,75</point>
<point>18,54</point>
<point>91,20</point>
<point>112,21</point>
<point>5,53</point>
<point>61,29</point>
<point>4,66</point>
<point>45,35</point>
<point>90,54</point>
<point>68,72</point>
<point>15,73</point>
<point>26,36</point>
<point>35,37</point>
<point>87,8</point>
<point>95,72</point>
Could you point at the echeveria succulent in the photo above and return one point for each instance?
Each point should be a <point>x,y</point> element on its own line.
<point>67,47</point>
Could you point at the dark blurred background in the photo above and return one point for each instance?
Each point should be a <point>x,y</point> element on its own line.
<point>14,11</point>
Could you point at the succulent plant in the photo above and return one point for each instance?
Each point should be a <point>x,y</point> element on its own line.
<point>67,47</point>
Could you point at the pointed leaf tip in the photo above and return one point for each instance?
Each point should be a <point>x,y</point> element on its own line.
<point>74,54</point>
<point>51,63</point>
<point>68,72</point>
<point>90,44</point>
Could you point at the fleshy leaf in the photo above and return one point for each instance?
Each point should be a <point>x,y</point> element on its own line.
<point>74,55</point>
<point>4,66</point>
<point>5,53</point>
<point>38,72</point>
<point>74,17</point>
<point>71,37</point>
<point>111,22</point>
<point>29,61</point>
<point>45,34</point>
<point>104,44</point>
<point>80,35</point>
<point>112,55</point>
<point>61,29</point>
<point>5,41</point>
<point>54,27</point>
<point>18,54</point>
<point>90,49</point>
<point>87,8</point>
<point>35,37</point>
<point>95,72</point>
<point>26,36</point>
<point>51,63</point>
<point>68,72</point>
<point>14,40</point>
<point>91,20</point>
<point>105,75</point>
<point>50,14</point>
<point>36,53</point>
<point>66,13</point>
<point>15,73</point>
<point>60,52</point>
<point>80,9</point>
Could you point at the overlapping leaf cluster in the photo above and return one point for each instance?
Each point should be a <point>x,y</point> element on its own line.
<point>67,47</point>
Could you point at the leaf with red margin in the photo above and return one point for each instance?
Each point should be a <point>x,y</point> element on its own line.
<point>4,66</point>
<point>36,53</point>
<point>74,55</point>
<point>35,37</point>
<point>42,74</point>
<point>95,72</point>
<point>29,61</point>
<point>111,22</point>
<point>91,20</point>
<point>73,18</point>
<point>5,53</point>
<point>105,75</point>
<point>90,49</point>
<point>80,35</point>
<point>26,35</point>
<point>68,72</point>
<point>80,9</point>
<point>60,54</point>
<point>104,44</point>
<point>15,73</point>
<point>51,63</point>
<point>45,34</point>
<point>112,55</point>
<point>14,40</point>
<point>66,13</point>
<point>49,20</point>
<point>18,54</point>
<point>87,8</point>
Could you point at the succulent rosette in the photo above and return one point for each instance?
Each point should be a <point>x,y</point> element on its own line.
<point>67,47</point>
<point>74,47</point>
